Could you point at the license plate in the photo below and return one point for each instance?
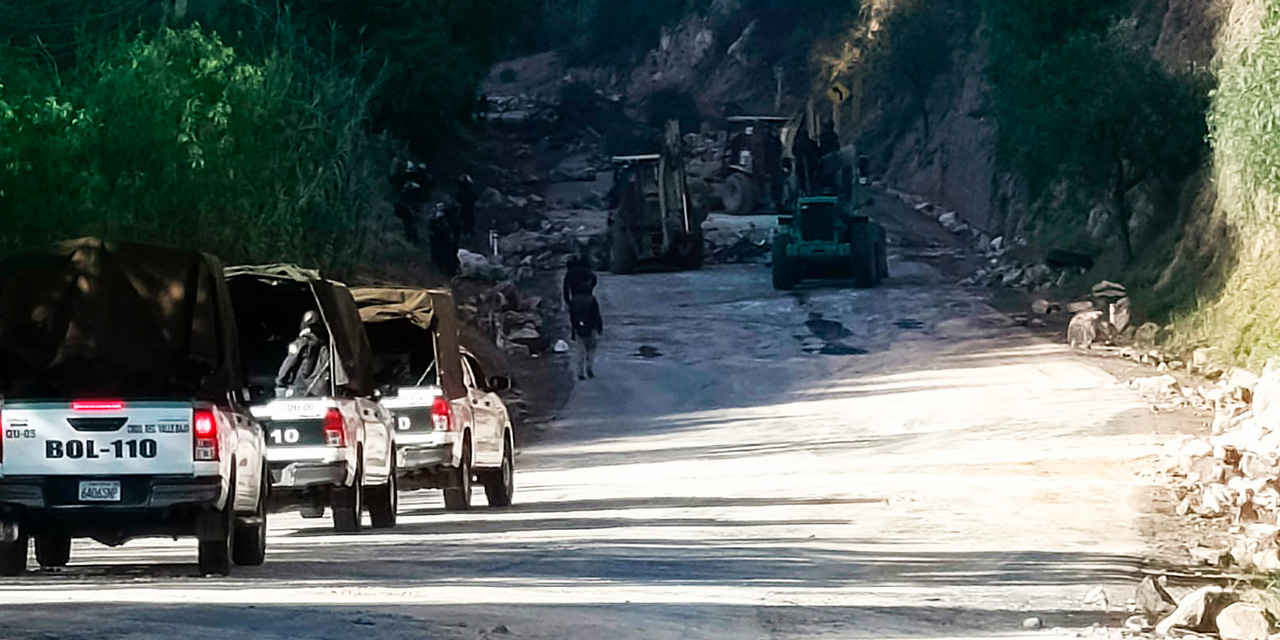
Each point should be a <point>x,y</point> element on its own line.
<point>100,491</point>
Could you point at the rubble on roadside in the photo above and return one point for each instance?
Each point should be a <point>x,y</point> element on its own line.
<point>735,246</point>
<point>1232,476</point>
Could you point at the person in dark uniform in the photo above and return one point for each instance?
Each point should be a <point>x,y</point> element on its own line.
<point>443,230</point>
<point>579,279</point>
<point>305,370</point>
<point>414,186</point>
<point>829,149</point>
<point>806,154</point>
<point>467,205</point>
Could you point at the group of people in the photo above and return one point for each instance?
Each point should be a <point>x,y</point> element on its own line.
<point>447,226</point>
<point>813,158</point>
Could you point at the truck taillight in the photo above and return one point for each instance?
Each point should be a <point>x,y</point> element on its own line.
<point>97,405</point>
<point>205,431</point>
<point>335,432</point>
<point>441,414</point>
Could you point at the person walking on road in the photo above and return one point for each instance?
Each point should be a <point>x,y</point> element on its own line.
<point>585,322</point>
<point>588,327</point>
<point>579,279</point>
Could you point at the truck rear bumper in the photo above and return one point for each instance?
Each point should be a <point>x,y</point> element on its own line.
<point>136,493</point>
<point>422,457</point>
<point>157,505</point>
<point>303,475</point>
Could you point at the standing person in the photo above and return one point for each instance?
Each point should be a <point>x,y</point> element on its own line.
<point>829,148</point>
<point>414,185</point>
<point>588,327</point>
<point>444,240</point>
<point>805,151</point>
<point>467,205</point>
<point>579,279</point>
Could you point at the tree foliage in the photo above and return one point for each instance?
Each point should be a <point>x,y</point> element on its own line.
<point>1074,90</point>
<point>174,138</point>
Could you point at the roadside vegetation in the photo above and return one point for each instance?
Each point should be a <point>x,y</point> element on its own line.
<point>1079,98</point>
<point>245,129</point>
<point>1243,317</point>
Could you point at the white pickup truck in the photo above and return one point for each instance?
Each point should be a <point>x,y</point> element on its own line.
<point>123,412</point>
<point>452,428</point>
<point>330,443</point>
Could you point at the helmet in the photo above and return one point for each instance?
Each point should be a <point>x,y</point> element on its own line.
<point>465,179</point>
<point>310,320</point>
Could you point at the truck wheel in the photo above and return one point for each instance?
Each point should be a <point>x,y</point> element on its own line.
<point>882,254</point>
<point>348,504</point>
<point>862,237</point>
<point>739,195</point>
<point>384,502</point>
<point>53,550</point>
<point>13,556</point>
<point>214,556</point>
<point>457,490</point>
<point>500,485</point>
<point>784,268</point>
<point>622,256</point>
<point>249,549</point>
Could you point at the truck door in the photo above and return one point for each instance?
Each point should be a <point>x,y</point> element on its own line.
<point>485,407</point>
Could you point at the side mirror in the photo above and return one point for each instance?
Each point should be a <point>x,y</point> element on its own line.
<point>499,383</point>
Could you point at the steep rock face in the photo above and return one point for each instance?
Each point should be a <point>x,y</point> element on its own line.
<point>1189,31</point>
<point>956,165</point>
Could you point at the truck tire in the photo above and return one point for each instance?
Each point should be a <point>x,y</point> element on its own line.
<point>13,556</point>
<point>862,252</point>
<point>53,550</point>
<point>622,256</point>
<point>457,489</point>
<point>785,269</point>
<point>249,549</point>
<point>882,254</point>
<point>384,502</point>
<point>214,556</point>
<point>739,195</point>
<point>348,503</point>
<point>500,485</point>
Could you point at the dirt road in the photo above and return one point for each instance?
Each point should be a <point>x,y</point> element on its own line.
<point>835,463</point>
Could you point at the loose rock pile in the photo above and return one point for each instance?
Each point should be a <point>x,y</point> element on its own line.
<point>1234,475</point>
<point>514,320</point>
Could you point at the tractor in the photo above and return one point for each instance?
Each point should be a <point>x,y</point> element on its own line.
<point>829,236</point>
<point>653,221</point>
<point>755,166</point>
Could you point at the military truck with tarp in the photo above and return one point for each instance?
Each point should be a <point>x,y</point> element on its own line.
<point>330,445</point>
<point>124,409</point>
<point>451,426</point>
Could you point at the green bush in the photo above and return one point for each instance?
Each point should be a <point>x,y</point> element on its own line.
<point>1076,93</point>
<point>174,138</point>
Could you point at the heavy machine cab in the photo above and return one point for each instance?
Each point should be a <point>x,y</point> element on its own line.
<point>654,220</point>
<point>755,167</point>
<point>829,236</point>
